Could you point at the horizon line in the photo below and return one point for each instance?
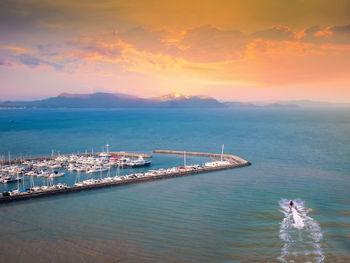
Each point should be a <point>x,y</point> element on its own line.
<point>43,97</point>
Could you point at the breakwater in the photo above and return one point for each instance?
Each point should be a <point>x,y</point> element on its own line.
<point>132,179</point>
<point>229,157</point>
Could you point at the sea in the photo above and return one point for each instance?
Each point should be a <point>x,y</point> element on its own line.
<point>237,215</point>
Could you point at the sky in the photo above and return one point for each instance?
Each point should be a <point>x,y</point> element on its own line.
<point>248,50</point>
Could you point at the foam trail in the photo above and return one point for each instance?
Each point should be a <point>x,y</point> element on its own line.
<point>301,235</point>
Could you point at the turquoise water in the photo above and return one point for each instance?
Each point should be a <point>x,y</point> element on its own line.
<point>229,216</point>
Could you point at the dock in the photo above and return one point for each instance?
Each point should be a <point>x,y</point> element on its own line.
<point>233,162</point>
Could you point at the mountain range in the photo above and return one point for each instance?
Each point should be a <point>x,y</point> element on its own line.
<point>172,100</point>
<point>116,100</point>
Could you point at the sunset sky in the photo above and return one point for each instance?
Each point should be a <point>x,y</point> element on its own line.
<point>232,50</point>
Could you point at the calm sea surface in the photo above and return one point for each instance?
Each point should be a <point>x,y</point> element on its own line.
<point>238,215</point>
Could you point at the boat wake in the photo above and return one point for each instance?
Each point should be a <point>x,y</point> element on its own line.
<point>301,235</point>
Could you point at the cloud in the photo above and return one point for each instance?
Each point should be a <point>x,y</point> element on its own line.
<point>49,50</point>
<point>34,62</point>
<point>18,49</point>
<point>163,49</point>
<point>144,40</point>
<point>341,34</point>
<point>336,35</point>
<point>210,44</point>
<point>275,56</point>
<point>4,62</point>
<point>29,60</point>
<point>209,53</point>
<point>276,33</point>
<point>104,47</point>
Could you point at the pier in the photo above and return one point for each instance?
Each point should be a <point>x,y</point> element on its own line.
<point>231,161</point>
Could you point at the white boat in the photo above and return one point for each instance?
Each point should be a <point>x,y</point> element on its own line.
<point>81,169</point>
<point>43,174</point>
<point>55,166</point>
<point>217,163</point>
<point>36,188</point>
<point>210,164</point>
<point>97,170</point>
<point>56,174</point>
<point>104,154</point>
<point>31,173</point>
<point>138,163</point>
<point>8,179</point>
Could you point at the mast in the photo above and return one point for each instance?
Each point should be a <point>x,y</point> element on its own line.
<point>184,158</point>
<point>222,152</point>
<point>107,147</point>
<point>17,181</point>
<point>77,178</point>
<point>9,158</point>
<point>31,182</point>
<point>118,170</point>
<point>23,181</point>
<point>50,180</point>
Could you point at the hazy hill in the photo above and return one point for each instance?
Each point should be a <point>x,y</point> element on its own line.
<point>116,100</point>
<point>287,104</point>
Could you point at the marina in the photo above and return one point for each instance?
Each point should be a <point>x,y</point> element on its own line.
<point>99,163</point>
<point>7,161</point>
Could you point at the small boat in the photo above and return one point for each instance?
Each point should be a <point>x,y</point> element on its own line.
<point>8,179</point>
<point>31,173</point>
<point>97,170</point>
<point>138,163</point>
<point>56,174</point>
<point>43,174</point>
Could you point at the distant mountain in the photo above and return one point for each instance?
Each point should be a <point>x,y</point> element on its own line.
<point>279,105</point>
<point>287,104</point>
<point>116,100</point>
<point>316,104</point>
<point>172,100</point>
<point>178,96</point>
<point>239,104</point>
<point>177,100</point>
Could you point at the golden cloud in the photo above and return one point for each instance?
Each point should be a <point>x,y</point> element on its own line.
<point>276,56</point>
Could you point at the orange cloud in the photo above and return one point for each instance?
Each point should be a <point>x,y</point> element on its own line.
<point>18,49</point>
<point>207,56</point>
<point>276,56</point>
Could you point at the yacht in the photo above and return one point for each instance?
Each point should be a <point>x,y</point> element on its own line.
<point>138,163</point>
<point>97,170</point>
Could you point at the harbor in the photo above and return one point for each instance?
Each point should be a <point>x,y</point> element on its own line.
<point>101,163</point>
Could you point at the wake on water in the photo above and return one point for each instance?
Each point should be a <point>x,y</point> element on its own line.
<point>301,235</point>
